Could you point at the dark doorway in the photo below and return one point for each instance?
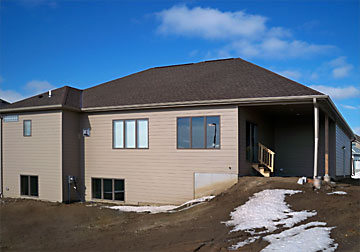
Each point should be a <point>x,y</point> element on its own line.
<point>251,142</point>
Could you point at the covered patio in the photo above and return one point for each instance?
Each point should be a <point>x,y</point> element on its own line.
<point>291,139</point>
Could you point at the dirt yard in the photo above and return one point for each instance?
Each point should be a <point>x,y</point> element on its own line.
<point>30,225</point>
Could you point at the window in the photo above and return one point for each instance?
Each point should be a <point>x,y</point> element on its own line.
<point>29,185</point>
<point>27,127</point>
<point>11,118</point>
<point>183,133</point>
<point>202,132</point>
<point>131,134</point>
<point>108,189</point>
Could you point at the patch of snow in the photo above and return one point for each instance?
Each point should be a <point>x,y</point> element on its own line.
<point>307,237</point>
<point>266,209</point>
<point>356,176</point>
<point>243,243</point>
<point>338,192</point>
<point>161,209</point>
<point>302,180</point>
<point>143,209</point>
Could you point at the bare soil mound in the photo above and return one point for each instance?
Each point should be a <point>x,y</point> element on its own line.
<point>30,225</point>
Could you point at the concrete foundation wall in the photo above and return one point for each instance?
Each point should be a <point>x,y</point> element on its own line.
<point>212,183</point>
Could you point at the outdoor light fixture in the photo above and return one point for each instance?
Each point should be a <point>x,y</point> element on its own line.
<point>210,125</point>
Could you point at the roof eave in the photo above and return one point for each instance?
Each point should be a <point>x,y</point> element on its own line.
<point>38,108</point>
<point>342,119</point>
<point>242,101</point>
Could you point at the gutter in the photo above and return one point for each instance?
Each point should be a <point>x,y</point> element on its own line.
<point>240,101</point>
<point>243,101</point>
<point>37,108</point>
<point>332,105</point>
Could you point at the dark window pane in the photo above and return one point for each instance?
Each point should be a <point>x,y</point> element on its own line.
<point>183,132</point>
<point>120,196</point>
<point>96,188</point>
<point>24,184</point>
<point>34,187</point>
<point>213,132</point>
<point>107,189</point>
<point>197,132</point>
<point>119,189</point>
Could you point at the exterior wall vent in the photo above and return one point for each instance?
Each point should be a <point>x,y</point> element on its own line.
<point>86,132</point>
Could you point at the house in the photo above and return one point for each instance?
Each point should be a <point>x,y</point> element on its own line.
<point>356,158</point>
<point>170,134</point>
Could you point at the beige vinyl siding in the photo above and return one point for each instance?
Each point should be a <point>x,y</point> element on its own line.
<point>38,155</point>
<point>162,173</point>
<point>71,152</point>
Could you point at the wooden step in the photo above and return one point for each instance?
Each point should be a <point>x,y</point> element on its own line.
<point>262,170</point>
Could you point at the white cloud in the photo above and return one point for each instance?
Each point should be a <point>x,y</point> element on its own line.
<point>340,67</point>
<point>277,48</point>
<point>291,74</point>
<point>357,131</point>
<point>348,106</point>
<point>210,23</point>
<point>30,88</point>
<point>245,34</point>
<point>343,71</point>
<point>338,93</point>
<point>10,95</point>
<point>37,86</point>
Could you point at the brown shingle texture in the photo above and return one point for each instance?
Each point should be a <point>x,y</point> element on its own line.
<point>210,80</point>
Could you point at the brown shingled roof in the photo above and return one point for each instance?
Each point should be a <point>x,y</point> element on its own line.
<point>209,80</point>
<point>66,96</point>
<point>3,103</point>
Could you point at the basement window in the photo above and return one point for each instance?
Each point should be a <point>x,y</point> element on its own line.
<point>108,189</point>
<point>27,127</point>
<point>29,185</point>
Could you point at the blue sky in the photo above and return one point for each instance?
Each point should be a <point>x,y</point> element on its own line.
<point>46,44</point>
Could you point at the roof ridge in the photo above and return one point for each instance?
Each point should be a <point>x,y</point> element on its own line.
<point>194,63</point>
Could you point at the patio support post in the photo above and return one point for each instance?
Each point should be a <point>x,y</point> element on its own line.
<point>317,182</point>
<point>327,177</point>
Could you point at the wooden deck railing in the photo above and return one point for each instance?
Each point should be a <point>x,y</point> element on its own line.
<point>266,157</point>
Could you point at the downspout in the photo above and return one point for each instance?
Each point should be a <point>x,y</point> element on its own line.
<point>317,181</point>
<point>344,148</point>
<point>327,177</point>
